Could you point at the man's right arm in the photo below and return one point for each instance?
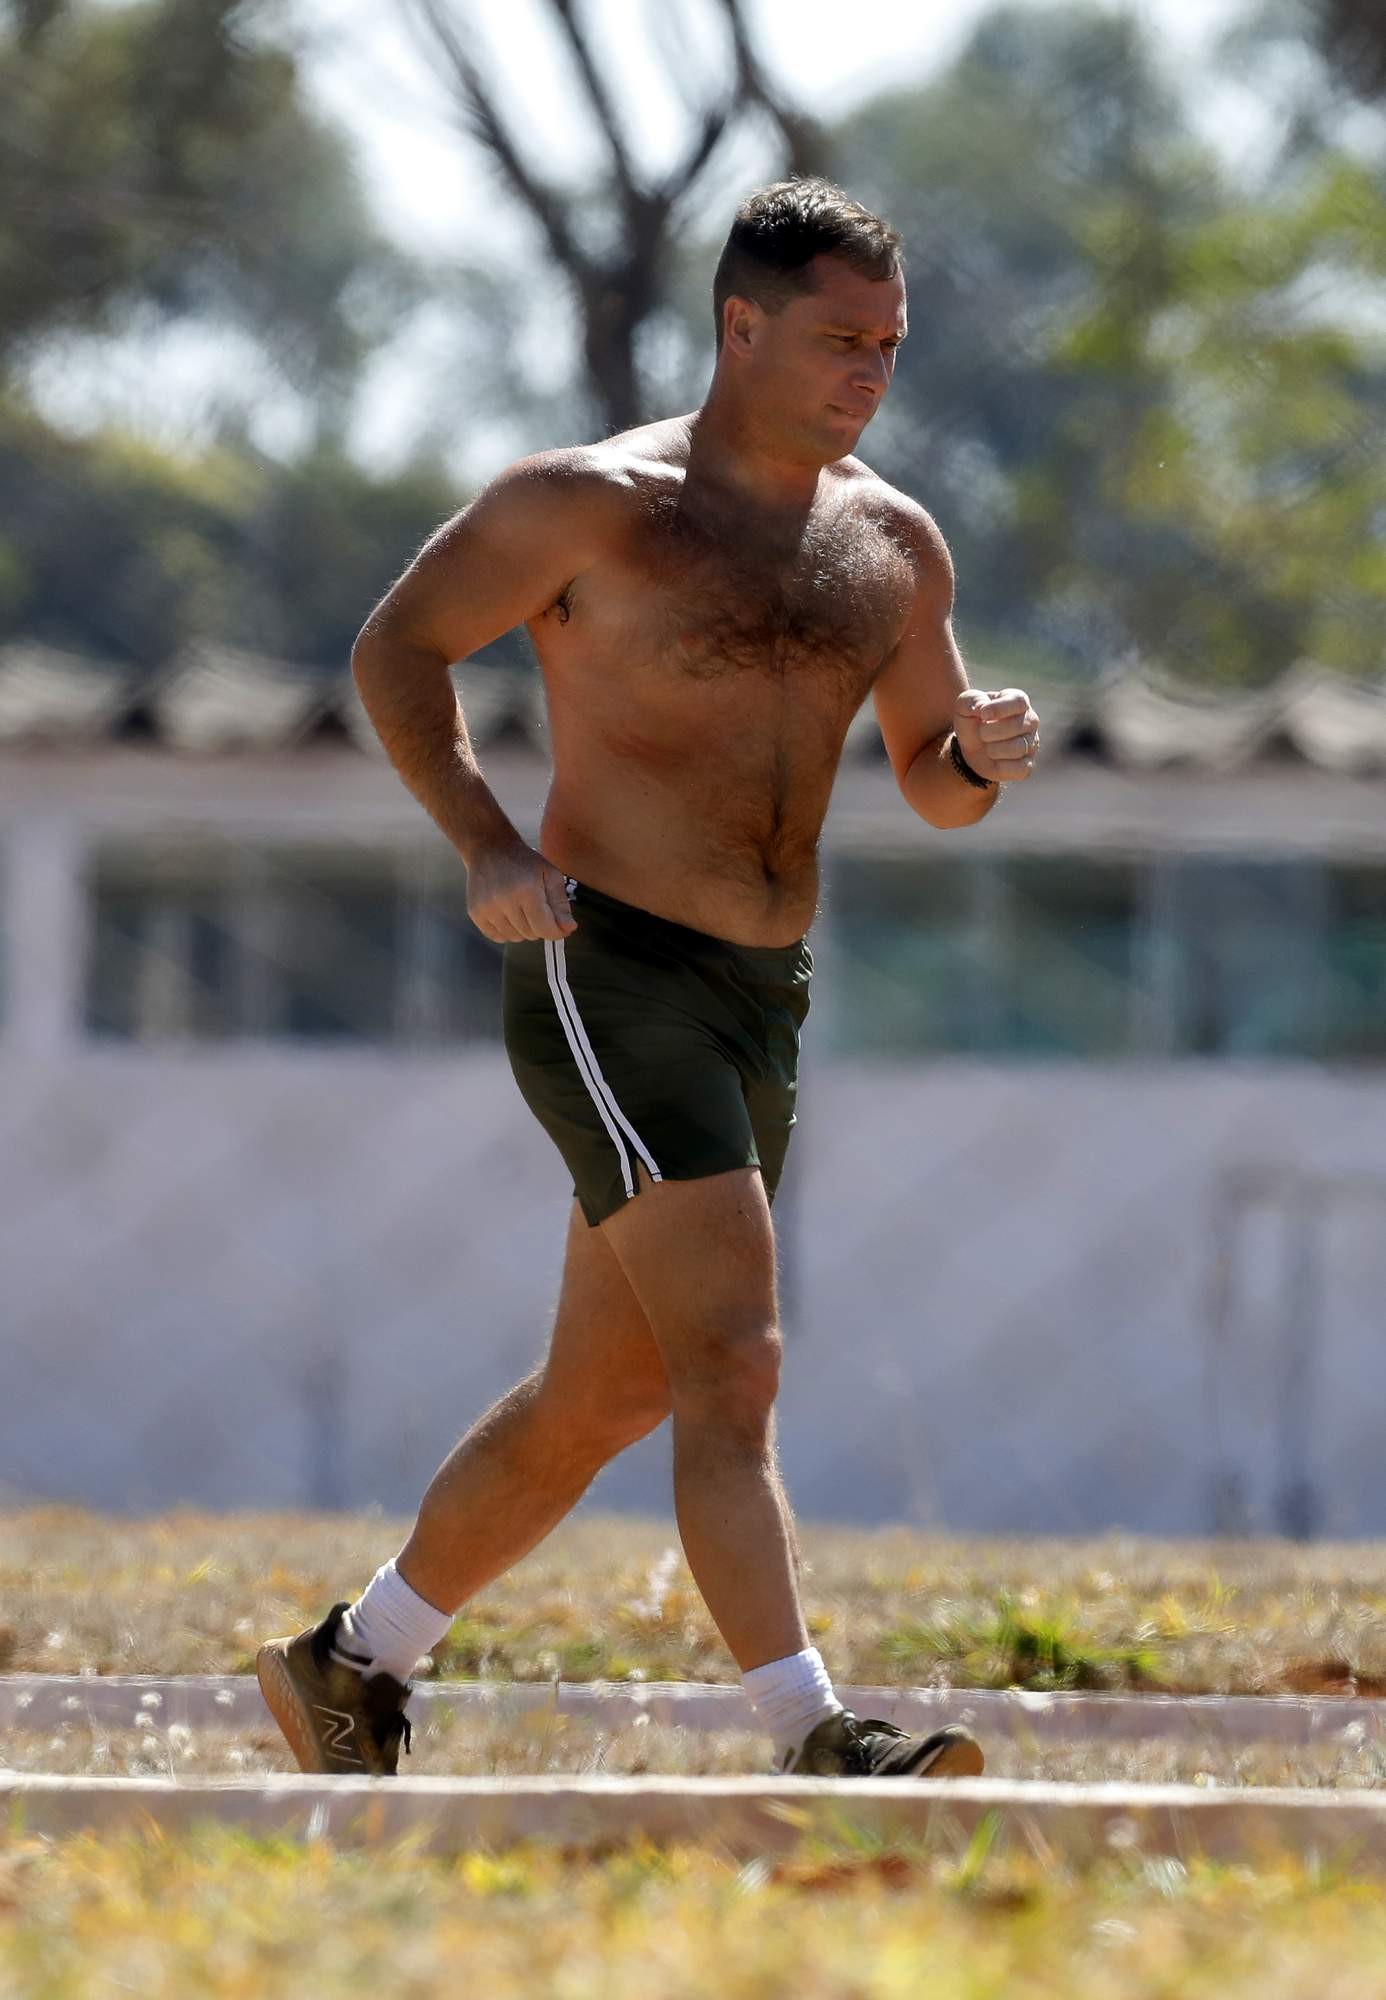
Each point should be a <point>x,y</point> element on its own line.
<point>499,563</point>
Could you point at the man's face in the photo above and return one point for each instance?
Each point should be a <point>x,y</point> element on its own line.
<point>820,367</point>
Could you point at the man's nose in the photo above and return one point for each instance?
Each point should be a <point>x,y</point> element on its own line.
<point>872,373</point>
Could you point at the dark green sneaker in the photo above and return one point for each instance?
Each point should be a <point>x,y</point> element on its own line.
<point>842,1747</point>
<point>332,1719</point>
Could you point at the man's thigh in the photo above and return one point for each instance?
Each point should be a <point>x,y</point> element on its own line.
<point>602,1352</point>
<point>699,1256</point>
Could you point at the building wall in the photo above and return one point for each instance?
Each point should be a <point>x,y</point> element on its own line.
<point>1018,1297</point>
<point>260,1279</point>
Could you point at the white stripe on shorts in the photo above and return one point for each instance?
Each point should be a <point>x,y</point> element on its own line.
<point>590,1069</point>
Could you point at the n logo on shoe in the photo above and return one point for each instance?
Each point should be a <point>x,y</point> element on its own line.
<point>338,1740</point>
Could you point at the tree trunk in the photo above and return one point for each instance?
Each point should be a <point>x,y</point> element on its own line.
<point>618,294</point>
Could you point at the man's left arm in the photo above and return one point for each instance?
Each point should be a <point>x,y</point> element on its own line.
<point>923,701</point>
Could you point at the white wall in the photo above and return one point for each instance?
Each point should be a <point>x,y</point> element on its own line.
<point>1012,1318</point>
<point>260,1275</point>
<point>271,1278</point>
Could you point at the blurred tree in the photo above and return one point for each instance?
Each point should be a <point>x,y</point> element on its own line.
<point>1145,389</point>
<point>1050,160</point>
<point>328,538</point>
<point>620,285</point>
<point>159,159</point>
<point>156,154</point>
<point>32,17</point>
<point>1261,466</point>
<point>1148,409</point>
<point>1354,33</point>
<point>112,547</point>
<point>1259,462</point>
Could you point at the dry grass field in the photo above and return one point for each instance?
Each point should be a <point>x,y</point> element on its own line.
<point>225,1918</point>
<point>843,1919</point>
<point>554,1745</point>
<point>609,1598</point>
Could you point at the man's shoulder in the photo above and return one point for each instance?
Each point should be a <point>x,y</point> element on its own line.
<point>908,524</point>
<point>613,469</point>
<point>886,504</point>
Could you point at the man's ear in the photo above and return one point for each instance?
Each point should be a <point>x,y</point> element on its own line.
<point>740,320</point>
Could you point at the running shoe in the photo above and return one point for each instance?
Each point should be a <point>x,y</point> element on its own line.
<point>333,1719</point>
<point>843,1747</point>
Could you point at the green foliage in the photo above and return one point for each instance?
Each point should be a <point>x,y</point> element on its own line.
<point>1255,467</point>
<point>159,158</point>
<point>1022,1644</point>
<point>972,1866</point>
<point>155,154</point>
<point>1144,391</point>
<point>111,547</point>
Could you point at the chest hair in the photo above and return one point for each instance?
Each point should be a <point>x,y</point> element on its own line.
<point>821,608</point>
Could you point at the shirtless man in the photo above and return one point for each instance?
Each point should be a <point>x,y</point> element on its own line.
<point>711,598</point>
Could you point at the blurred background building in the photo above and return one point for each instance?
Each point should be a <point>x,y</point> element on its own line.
<point>1085,1221</point>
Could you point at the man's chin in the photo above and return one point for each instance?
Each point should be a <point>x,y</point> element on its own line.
<point>844,429</point>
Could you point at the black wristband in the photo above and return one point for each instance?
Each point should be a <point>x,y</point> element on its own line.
<point>964,769</point>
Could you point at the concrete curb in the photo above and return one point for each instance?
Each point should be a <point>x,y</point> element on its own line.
<point>735,1817</point>
<point>32,1702</point>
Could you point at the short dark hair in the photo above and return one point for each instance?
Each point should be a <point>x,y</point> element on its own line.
<point>778,232</point>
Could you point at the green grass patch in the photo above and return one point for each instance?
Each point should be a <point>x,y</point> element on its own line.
<point>1025,1646</point>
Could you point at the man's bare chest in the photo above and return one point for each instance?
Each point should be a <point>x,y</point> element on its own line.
<point>708,609</point>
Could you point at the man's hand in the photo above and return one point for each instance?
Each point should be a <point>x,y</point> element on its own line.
<point>998,733</point>
<point>514,895</point>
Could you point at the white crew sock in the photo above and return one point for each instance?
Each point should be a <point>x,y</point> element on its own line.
<point>791,1697</point>
<point>389,1626</point>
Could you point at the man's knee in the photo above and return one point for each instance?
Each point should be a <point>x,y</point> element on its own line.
<point>625,1419</point>
<point>599,1418</point>
<point>728,1376</point>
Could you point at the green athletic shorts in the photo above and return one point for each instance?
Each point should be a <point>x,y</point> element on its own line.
<point>638,1039</point>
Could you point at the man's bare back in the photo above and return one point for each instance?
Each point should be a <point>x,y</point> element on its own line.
<point>701,675</point>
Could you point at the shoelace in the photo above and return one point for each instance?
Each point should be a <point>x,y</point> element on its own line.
<point>860,1761</point>
<point>396,1725</point>
<point>386,1721</point>
<point>388,1728</point>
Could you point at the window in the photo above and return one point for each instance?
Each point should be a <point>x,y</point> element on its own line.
<point>1069,967</point>
<point>1028,957</point>
<point>1059,956</point>
<point>1245,942</point>
<point>912,956</point>
<point>1355,963</point>
<point>452,973</point>
<point>162,962</point>
<point>1108,957</point>
<point>215,940</point>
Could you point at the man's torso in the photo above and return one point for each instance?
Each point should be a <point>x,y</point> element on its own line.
<point>701,676</point>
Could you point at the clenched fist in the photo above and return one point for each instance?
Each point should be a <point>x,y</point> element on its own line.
<point>998,733</point>
<point>514,895</point>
